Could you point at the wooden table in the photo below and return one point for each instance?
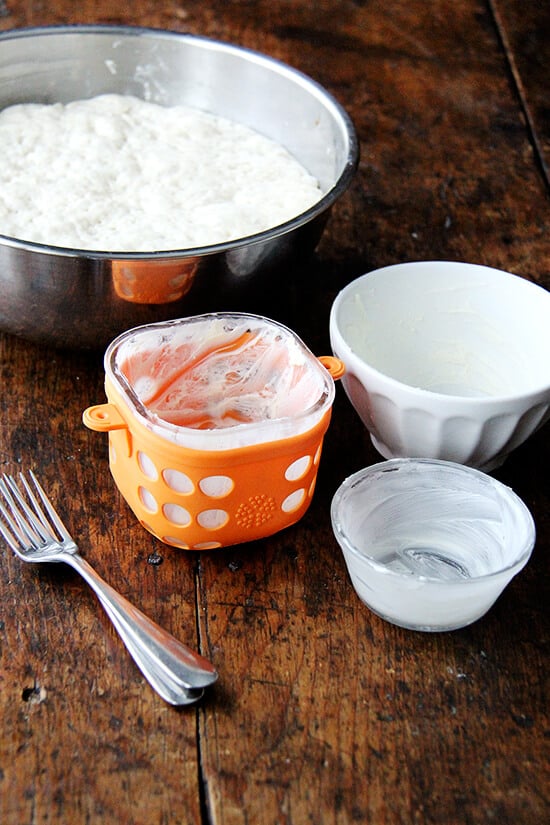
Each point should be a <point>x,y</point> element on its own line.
<point>323,713</point>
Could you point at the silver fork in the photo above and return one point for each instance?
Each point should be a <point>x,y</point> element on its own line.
<point>34,531</point>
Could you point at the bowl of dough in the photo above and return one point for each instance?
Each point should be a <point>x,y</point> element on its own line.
<point>148,175</point>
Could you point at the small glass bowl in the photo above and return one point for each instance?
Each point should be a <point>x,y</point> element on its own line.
<point>430,545</point>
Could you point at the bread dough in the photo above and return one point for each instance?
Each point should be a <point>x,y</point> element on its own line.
<point>116,173</point>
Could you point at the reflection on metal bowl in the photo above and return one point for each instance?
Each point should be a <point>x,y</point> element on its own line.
<point>81,298</point>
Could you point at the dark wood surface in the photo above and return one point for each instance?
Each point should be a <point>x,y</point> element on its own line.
<point>323,713</point>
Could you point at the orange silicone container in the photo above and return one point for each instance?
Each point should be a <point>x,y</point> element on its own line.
<point>194,489</point>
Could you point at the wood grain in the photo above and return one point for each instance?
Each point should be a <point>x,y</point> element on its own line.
<point>323,713</point>
<point>524,34</point>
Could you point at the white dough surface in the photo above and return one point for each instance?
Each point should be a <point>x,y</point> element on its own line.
<point>116,173</point>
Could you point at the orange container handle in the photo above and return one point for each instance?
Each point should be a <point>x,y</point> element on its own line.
<point>103,417</point>
<point>336,367</point>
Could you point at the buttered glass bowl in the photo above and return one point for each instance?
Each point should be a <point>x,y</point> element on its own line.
<point>216,424</point>
<point>445,360</point>
<point>430,545</point>
<point>80,298</point>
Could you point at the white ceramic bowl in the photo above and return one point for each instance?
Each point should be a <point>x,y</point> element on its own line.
<point>445,360</point>
<point>430,545</point>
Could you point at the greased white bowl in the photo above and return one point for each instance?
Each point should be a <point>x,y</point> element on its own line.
<point>430,545</point>
<point>445,360</point>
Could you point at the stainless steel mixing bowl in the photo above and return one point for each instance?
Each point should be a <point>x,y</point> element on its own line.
<point>77,298</point>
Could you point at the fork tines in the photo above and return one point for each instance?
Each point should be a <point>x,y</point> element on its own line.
<point>24,520</point>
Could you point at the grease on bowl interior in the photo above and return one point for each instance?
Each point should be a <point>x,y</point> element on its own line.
<point>430,545</point>
<point>216,424</point>
<point>445,360</point>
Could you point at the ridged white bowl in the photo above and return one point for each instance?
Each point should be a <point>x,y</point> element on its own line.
<point>445,360</point>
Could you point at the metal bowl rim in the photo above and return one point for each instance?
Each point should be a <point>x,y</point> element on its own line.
<point>279,66</point>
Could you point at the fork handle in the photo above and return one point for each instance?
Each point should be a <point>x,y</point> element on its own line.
<point>171,691</point>
<point>154,650</point>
